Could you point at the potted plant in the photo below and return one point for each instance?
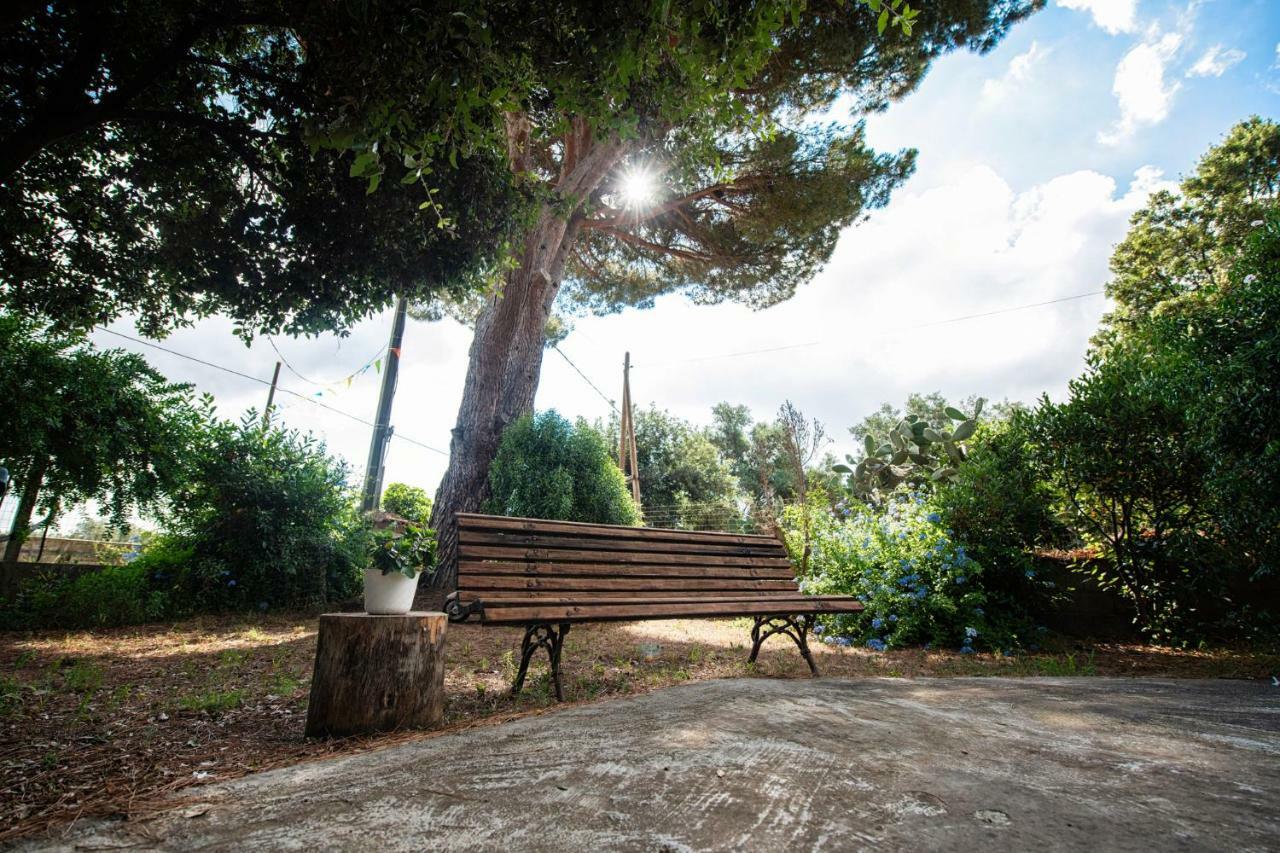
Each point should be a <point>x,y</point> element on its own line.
<point>400,553</point>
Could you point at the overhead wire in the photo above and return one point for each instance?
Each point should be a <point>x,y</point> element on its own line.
<point>910,328</point>
<point>279,388</point>
<point>585,378</point>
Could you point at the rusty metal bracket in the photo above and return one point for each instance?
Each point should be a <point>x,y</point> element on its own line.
<point>795,626</point>
<point>461,612</point>
<point>542,636</point>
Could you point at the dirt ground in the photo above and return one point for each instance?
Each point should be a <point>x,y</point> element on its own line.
<point>106,723</point>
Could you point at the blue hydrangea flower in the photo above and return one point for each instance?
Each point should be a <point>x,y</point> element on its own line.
<point>966,650</point>
<point>1030,574</point>
<point>978,611</point>
<point>933,518</point>
<point>971,632</point>
<point>817,629</point>
<point>893,617</point>
<point>231,582</point>
<point>876,645</point>
<point>960,579</point>
<point>877,622</point>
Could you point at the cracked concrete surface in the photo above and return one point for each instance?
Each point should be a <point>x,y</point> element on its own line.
<point>753,764</point>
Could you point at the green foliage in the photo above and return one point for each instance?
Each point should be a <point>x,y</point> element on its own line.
<point>1181,243</point>
<point>1000,508</point>
<point>547,467</point>
<point>175,160</point>
<point>683,480</point>
<point>408,552</point>
<point>409,502</point>
<point>113,596</point>
<point>915,452</point>
<point>81,424</point>
<point>918,583</point>
<point>268,519</point>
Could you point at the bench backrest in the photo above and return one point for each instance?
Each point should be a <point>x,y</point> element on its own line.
<point>527,569</point>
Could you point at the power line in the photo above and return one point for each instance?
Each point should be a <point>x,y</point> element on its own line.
<point>295,372</point>
<point>281,389</point>
<point>899,329</point>
<point>578,370</point>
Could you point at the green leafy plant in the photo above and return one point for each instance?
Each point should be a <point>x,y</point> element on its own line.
<point>914,452</point>
<point>547,467</point>
<point>408,552</point>
<point>409,502</point>
<point>919,585</point>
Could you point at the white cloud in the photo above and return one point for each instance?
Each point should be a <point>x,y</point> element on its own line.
<point>1114,16</point>
<point>1140,88</point>
<point>967,244</point>
<point>1215,62</point>
<point>997,90</point>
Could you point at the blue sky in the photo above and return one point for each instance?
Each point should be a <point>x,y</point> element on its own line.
<point>1032,158</point>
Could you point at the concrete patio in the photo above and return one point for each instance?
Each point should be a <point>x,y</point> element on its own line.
<point>827,764</point>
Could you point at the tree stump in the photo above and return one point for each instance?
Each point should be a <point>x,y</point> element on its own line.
<point>377,674</point>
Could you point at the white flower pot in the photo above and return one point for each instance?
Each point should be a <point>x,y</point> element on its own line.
<point>389,594</point>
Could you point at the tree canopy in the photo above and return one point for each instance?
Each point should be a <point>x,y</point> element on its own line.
<point>1182,242</point>
<point>176,160</point>
<point>80,424</point>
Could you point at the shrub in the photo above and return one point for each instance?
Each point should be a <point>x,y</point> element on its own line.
<point>999,507</point>
<point>408,502</point>
<point>268,519</point>
<point>918,583</point>
<point>547,467</point>
<point>113,596</point>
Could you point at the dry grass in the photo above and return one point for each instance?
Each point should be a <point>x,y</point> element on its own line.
<point>106,722</point>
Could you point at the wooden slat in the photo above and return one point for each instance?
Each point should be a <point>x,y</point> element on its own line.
<point>515,598</point>
<point>661,610</point>
<point>771,548</point>
<point>583,585</point>
<point>558,555</point>
<point>613,570</point>
<point>494,522</point>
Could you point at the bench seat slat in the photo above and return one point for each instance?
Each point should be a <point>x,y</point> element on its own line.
<point>565,555</point>
<point>488,595</point>
<point>489,522</point>
<point>475,583</point>
<point>612,570</point>
<point>661,610</point>
<point>521,541</point>
<point>784,600</point>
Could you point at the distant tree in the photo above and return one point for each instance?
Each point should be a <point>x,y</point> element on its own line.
<point>1182,242</point>
<point>175,160</point>
<point>407,501</point>
<point>548,467</point>
<point>684,482</point>
<point>80,424</point>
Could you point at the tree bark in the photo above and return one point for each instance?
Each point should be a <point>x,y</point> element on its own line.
<point>505,359</point>
<point>377,674</point>
<point>26,505</point>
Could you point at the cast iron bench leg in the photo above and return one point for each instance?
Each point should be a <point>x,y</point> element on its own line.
<point>547,637</point>
<point>796,627</point>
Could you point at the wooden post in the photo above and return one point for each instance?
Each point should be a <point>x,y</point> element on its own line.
<point>377,674</point>
<point>627,460</point>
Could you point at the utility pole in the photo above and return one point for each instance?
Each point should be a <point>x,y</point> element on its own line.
<point>271,397</point>
<point>382,421</point>
<point>627,460</point>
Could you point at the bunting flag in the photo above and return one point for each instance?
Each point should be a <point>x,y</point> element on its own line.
<point>377,365</point>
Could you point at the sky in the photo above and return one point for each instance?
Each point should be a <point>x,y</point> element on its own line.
<point>1031,160</point>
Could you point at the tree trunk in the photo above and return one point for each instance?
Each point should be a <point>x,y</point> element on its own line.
<point>377,674</point>
<point>26,505</point>
<point>506,354</point>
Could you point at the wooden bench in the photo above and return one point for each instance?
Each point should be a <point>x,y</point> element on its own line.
<point>548,575</point>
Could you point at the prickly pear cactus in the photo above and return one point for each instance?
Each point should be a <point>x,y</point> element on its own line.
<point>914,452</point>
